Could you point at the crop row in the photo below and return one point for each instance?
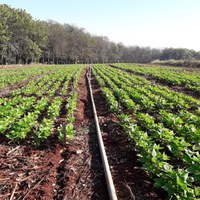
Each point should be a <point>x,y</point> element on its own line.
<point>11,76</point>
<point>32,111</point>
<point>46,85</point>
<point>135,100</point>
<point>189,80</point>
<point>165,136</point>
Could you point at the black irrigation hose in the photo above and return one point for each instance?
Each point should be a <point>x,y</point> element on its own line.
<point>108,176</point>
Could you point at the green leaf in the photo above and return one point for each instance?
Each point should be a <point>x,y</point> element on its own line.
<point>196,191</point>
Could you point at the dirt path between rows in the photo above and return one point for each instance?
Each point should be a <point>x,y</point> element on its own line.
<point>84,176</point>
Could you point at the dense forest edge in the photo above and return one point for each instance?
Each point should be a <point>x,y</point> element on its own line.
<point>25,40</point>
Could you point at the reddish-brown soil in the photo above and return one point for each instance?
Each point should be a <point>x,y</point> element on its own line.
<point>26,172</point>
<point>84,176</point>
<point>75,171</point>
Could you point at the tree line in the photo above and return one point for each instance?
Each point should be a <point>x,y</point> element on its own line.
<point>25,40</point>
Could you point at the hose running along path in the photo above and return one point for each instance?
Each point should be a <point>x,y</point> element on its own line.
<point>108,176</point>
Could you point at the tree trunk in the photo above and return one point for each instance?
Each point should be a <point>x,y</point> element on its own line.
<point>43,58</point>
<point>4,61</point>
<point>53,60</point>
<point>48,59</point>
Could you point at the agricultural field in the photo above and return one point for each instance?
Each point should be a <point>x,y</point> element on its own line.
<point>35,106</point>
<point>184,78</point>
<point>150,124</point>
<point>163,125</point>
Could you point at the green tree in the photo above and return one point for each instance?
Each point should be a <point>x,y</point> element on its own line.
<point>22,37</point>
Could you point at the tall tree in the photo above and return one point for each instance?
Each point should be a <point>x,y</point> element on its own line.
<point>23,37</point>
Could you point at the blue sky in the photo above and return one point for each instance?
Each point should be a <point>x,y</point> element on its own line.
<point>154,23</point>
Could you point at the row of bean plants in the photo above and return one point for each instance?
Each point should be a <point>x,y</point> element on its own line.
<point>170,76</point>
<point>15,75</point>
<point>163,125</point>
<point>32,111</point>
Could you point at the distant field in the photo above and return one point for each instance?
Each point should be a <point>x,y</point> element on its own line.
<point>187,78</point>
